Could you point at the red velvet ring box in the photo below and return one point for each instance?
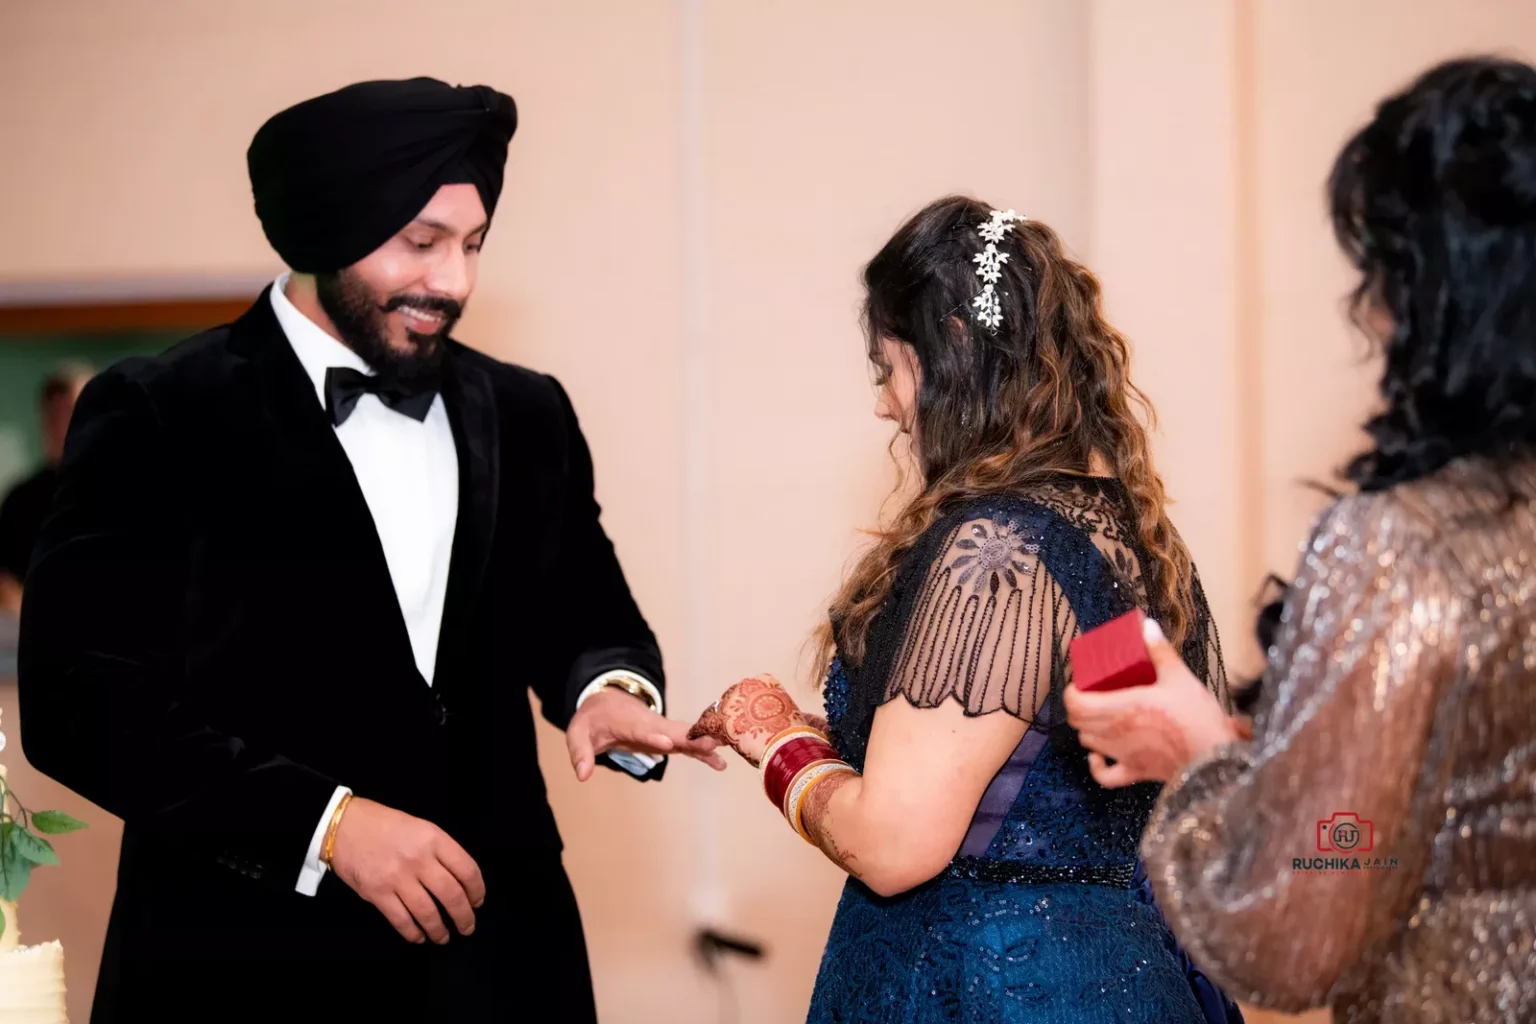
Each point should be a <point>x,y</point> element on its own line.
<point>1112,656</point>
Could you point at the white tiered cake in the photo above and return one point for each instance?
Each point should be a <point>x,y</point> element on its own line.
<point>32,984</point>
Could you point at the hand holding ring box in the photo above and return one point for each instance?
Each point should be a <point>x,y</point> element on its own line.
<point>1112,656</point>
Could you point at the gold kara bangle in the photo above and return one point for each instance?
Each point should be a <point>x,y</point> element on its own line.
<point>808,780</point>
<point>330,831</point>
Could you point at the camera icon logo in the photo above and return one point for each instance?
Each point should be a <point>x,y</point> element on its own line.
<point>1345,832</point>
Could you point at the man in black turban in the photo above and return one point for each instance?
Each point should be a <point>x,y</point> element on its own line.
<point>335,177</point>
<point>300,573</point>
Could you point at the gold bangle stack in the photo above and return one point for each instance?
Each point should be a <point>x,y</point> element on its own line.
<point>806,779</point>
<point>330,831</point>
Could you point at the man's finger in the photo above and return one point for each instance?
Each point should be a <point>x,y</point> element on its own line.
<point>703,750</point>
<point>419,903</point>
<point>451,895</point>
<point>395,913</point>
<point>578,740</point>
<point>668,734</point>
<point>640,730</point>
<point>463,867</point>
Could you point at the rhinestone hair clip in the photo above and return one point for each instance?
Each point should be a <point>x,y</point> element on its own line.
<point>989,267</point>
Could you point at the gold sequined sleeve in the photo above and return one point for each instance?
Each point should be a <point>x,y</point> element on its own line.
<point>1282,864</point>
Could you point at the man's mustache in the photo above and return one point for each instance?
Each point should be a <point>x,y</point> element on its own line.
<point>450,308</point>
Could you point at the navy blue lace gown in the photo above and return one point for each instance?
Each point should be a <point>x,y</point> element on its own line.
<point>1043,915</point>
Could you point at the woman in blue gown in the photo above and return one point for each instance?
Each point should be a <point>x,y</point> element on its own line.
<point>991,879</point>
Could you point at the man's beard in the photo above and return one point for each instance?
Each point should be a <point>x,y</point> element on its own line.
<point>360,317</point>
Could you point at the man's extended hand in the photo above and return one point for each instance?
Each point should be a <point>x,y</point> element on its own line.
<point>614,720</point>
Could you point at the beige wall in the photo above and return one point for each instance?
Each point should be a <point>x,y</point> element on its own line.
<point>692,190</point>
<point>1319,69</point>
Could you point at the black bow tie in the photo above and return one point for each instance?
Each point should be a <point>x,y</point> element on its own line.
<point>344,386</point>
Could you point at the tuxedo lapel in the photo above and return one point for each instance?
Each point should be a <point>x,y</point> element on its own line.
<point>316,502</point>
<point>473,415</point>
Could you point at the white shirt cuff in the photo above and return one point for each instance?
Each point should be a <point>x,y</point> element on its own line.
<point>314,868</point>
<point>635,764</point>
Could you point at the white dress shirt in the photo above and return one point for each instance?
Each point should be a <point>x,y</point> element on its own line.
<point>409,475</point>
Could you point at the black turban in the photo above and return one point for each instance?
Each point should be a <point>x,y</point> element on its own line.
<point>335,177</point>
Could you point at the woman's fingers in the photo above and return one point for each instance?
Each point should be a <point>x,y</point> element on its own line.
<point>1107,775</point>
<point>1091,711</point>
<point>712,724</point>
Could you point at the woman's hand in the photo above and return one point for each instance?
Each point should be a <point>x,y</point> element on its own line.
<point>1152,732</point>
<point>748,715</point>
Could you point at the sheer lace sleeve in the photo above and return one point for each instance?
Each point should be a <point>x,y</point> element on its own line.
<point>1284,864</point>
<point>987,627</point>
<point>1202,648</point>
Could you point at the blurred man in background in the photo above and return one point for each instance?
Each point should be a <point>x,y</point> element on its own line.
<point>25,505</point>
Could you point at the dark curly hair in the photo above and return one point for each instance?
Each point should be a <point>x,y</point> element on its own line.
<point>1434,203</point>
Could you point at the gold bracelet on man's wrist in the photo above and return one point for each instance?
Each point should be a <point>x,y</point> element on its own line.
<point>633,687</point>
<point>329,848</point>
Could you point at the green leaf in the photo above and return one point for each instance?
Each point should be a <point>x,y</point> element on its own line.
<point>15,869</point>
<point>2,925</point>
<point>14,875</point>
<point>29,847</point>
<point>55,823</point>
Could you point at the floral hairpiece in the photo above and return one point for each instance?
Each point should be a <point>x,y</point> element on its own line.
<point>989,267</point>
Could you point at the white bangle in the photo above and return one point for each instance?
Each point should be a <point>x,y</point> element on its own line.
<point>794,732</point>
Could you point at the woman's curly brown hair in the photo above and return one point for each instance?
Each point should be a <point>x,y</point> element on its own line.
<point>999,411</point>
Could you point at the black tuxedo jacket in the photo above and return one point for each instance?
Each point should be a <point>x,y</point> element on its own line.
<point>210,639</point>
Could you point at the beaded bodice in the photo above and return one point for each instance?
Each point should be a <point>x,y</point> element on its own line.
<point>983,611</point>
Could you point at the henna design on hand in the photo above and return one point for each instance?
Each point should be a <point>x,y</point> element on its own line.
<point>757,706</point>
<point>748,715</point>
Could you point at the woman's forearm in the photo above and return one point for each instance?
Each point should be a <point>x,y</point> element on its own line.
<point>876,844</point>
<point>826,814</point>
<point>931,764</point>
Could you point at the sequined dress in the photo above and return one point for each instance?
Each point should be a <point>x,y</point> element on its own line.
<point>1042,915</point>
<point>1374,847</point>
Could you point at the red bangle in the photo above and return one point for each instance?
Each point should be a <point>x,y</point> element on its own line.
<point>787,761</point>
